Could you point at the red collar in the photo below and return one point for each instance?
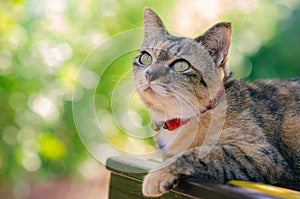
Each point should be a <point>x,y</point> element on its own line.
<point>175,123</point>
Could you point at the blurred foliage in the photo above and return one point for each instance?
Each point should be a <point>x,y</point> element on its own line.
<point>279,58</point>
<point>43,44</point>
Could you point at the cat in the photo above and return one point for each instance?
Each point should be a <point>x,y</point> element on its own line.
<point>210,125</point>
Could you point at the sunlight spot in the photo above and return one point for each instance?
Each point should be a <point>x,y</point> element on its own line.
<point>54,10</point>
<point>64,86</point>
<point>96,38</point>
<point>90,169</point>
<point>35,7</point>
<point>109,13</point>
<point>63,52</point>
<point>48,55</point>
<point>50,146</point>
<point>9,135</point>
<point>16,38</point>
<point>248,6</point>
<point>57,6</point>
<point>26,133</point>
<point>44,107</point>
<point>32,145</point>
<point>54,53</point>
<point>249,42</point>
<point>88,79</point>
<point>241,72</point>
<point>186,10</point>
<point>31,161</point>
<point>107,124</point>
<point>5,60</point>
<point>17,101</point>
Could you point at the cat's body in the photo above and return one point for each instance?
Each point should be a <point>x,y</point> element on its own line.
<point>228,129</point>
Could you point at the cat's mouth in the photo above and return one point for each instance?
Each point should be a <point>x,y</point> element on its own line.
<point>148,89</point>
<point>154,88</point>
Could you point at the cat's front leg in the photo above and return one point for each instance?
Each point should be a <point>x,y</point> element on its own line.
<point>158,182</point>
<point>165,177</point>
<point>222,163</point>
<point>162,179</point>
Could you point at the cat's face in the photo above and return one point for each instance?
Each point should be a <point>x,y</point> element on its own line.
<point>169,76</point>
<point>176,76</point>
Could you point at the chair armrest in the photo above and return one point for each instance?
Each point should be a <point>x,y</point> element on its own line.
<point>127,175</point>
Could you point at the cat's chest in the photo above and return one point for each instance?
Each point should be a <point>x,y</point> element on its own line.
<point>163,139</point>
<point>181,139</point>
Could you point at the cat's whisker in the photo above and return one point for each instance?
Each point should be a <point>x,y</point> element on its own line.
<point>159,89</point>
<point>183,95</point>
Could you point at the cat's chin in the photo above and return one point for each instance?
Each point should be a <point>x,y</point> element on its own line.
<point>163,107</point>
<point>162,113</point>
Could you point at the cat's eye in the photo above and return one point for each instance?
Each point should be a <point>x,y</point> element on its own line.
<point>145,59</point>
<point>180,66</point>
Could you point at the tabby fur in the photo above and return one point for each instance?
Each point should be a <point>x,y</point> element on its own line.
<point>252,134</point>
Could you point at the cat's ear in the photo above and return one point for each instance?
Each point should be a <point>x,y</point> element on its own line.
<point>217,42</point>
<point>153,25</point>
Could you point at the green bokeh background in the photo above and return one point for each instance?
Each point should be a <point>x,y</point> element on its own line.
<point>44,43</point>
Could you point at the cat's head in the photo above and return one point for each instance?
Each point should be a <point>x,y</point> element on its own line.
<point>178,76</point>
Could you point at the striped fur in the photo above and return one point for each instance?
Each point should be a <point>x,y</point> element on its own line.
<point>256,125</point>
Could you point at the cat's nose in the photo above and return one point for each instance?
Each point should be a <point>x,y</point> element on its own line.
<point>151,75</point>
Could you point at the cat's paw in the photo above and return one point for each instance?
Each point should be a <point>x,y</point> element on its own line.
<point>158,182</point>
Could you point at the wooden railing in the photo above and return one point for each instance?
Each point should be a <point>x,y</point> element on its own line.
<point>127,175</point>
